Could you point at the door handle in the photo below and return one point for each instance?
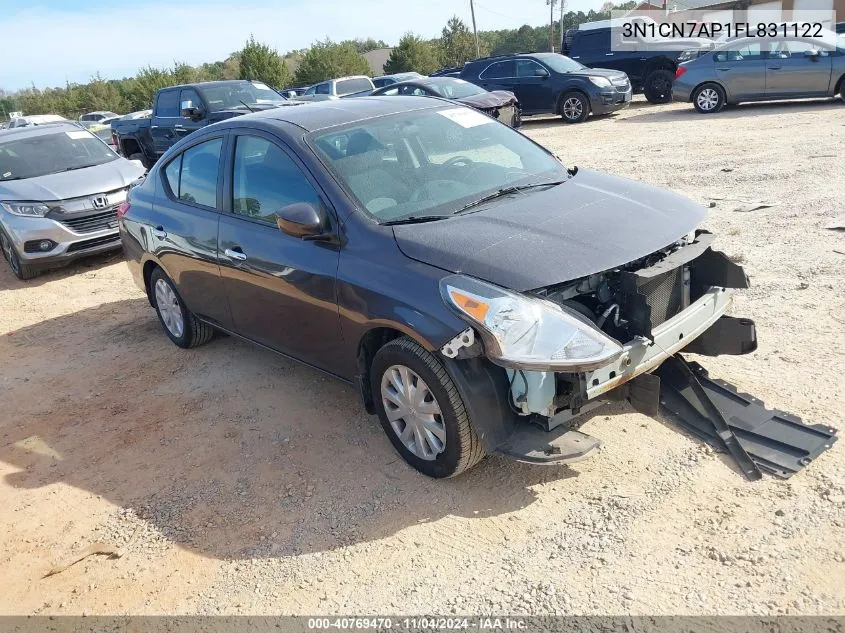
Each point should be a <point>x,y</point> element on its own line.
<point>609,54</point>
<point>235,254</point>
<point>159,232</point>
<point>774,67</point>
<point>723,69</point>
<point>179,128</point>
<point>153,127</point>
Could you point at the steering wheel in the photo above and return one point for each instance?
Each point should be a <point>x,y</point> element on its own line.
<point>458,161</point>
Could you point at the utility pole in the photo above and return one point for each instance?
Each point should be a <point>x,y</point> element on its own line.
<point>562,5</point>
<point>474,30</point>
<point>551,4</point>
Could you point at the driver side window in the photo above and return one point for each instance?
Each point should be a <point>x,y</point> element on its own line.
<point>265,180</point>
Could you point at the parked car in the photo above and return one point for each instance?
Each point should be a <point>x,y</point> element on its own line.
<point>59,191</point>
<point>140,114</point>
<point>180,110</point>
<point>386,80</point>
<point>501,105</point>
<point>34,119</point>
<point>449,71</point>
<point>337,88</point>
<point>552,83</point>
<point>650,63</point>
<point>100,116</point>
<point>476,291</point>
<point>751,69</point>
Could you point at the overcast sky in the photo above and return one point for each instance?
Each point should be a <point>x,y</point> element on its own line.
<point>52,41</point>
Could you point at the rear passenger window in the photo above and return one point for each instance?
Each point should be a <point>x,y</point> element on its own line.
<point>168,104</point>
<point>323,89</point>
<point>192,176</point>
<point>499,70</point>
<point>266,180</point>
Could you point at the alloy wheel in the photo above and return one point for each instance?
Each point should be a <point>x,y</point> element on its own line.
<point>572,108</point>
<point>413,412</point>
<point>169,308</point>
<point>8,252</point>
<point>707,99</point>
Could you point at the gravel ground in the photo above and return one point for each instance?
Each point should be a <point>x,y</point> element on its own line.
<point>240,482</point>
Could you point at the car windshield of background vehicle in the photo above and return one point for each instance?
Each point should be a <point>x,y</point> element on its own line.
<point>457,89</point>
<point>233,96</point>
<point>51,153</point>
<point>561,63</point>
<point>431,163</point>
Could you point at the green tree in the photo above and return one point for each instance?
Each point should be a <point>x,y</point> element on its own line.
<point>260,61</point>
<point>366,45</point>
<point>412,54</point>
<point>457,44</point>
<point>327,60</point>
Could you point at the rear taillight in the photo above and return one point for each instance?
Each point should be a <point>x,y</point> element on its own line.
<point>681,70</point>
<point>123,209</point>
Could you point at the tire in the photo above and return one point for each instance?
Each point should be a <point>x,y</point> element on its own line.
<point>842,88</point>
<point>22,271</point>
<point>192,332</point>
<point>708,98</point>
<point>658,86</point>
<point>574,107</point>
<point>452,445</point>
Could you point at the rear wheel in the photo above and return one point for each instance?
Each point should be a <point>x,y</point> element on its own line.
<point>574,107</point>
<point>708,98</point>
<point>422,411</point>
<point>179,323</point>
<point>21,270</point>
<point>658,86</point>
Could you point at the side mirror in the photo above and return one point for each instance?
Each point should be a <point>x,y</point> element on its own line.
<point>302,219</point>
<point>812,54</point>
<point>189,111</point>
<point>541,72</point>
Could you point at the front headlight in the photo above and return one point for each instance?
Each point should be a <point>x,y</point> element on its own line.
<point>524,332</point>
<point>34,209</point>
<point>601,82</point>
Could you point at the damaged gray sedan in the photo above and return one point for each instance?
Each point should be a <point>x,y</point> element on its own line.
<point>479,294</point>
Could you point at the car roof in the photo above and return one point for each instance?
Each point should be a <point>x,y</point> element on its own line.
<point>222,82</point>
<point>319,115</point>
<point>40,130</point>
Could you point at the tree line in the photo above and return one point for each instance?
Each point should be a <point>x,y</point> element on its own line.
<point>323,60</point>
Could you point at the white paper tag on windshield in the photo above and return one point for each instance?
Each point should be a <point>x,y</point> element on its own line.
<point>78,134</point>
<point>465,117</point>
<point>259,85</point>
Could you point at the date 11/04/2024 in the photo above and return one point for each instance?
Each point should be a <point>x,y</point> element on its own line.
<point>418,624</point>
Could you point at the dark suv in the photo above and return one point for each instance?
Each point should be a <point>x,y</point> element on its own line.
<point>550,82</point>
<point>650,65</point>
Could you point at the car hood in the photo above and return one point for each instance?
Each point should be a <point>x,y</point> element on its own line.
<point>494,99</point>
<point>73,184</point>
<point>599,72</point>
<point>592,223</point>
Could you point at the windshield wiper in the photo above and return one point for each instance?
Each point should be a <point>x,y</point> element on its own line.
<point>415,219</point>
<point>247,107</point>
<point>79,167</point>
<point>506,191</point>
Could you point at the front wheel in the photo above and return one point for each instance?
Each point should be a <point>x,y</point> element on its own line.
<point>574,107</point>
<point>422,411</point>
<point>22,271</point>
<point>708,98</point>
<point>179,323</point>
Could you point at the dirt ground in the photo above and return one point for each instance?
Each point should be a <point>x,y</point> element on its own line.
<point>241,482</point>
